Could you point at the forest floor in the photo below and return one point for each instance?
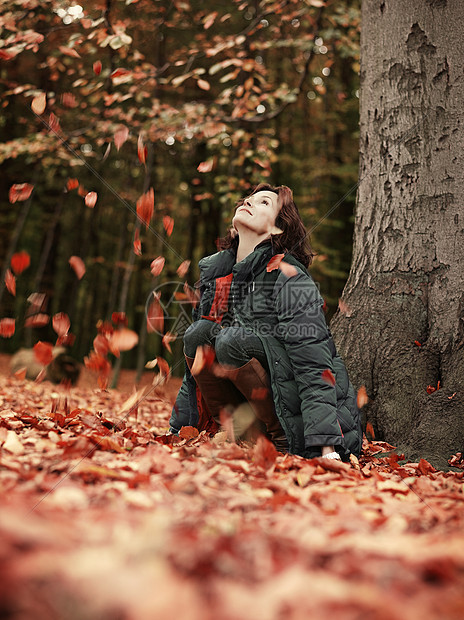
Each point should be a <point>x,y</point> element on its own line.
<point>106,517</point>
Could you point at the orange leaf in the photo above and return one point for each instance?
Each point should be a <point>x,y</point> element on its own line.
<point>124,339</point>
<point>188,432</point>
<point>120,71</point>
<point>61,323</point>
<point>417,343</point>
<point>328,376</point>
<point>120,318</point>
<point>155,316</point>
<point>20,191</point>
<point>167,338</point>
<point>274,262</point>
<point>204,358</point>
<point>146,206</point>
<point>37,320</point>
<point>78,265</point>
<point>69,51</point>
<point>72,184</point>
<point>137,243</point>
<point>7,328</point>
<point>20,261</point>
<point>430,389</point>
<point>370,430</point>
<point>183,268</point>
<point>362,398</point>
<point>121,136</point>
<point>39,104</point>
<point>163,366</point>
<point>97,67</point>
<point>156,266</point>
<point>91,199</point>
<point>21,374</point>
<point>141,150</point>
<point>168,224</point>
<point>10,282</point>
<point>43,352</point>
<point>101,345</point>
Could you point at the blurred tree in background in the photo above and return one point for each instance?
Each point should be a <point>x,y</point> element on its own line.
<point>112,108</point>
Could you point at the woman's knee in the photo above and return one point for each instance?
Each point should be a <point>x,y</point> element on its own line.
<point>199,333</point>
<point>228,347</point>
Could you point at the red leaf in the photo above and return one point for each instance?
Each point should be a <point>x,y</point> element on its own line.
<point>91,199</point>
<point>43,352</point>
<point>425,467</point>
<point>155,316</point>
<point>61,323</point>
<point>20,191</point>
<point>167,338</point>
<point>362,398</point>
<point>101,345</point>
<point>72,184</point>
<point>7,328</point>
<point>10,282</point>
<point>163,366</point>
<point>183,268</point>
<point>123,339</point>
<point>417,343</point>
<point>120,71</point>
<point>264,453</point>
<point>289,270</point>
<point>97,67</point>
<point>121,136</point>
<point>20,261</point>
<point>146,206</point>
<point>370,430</point>
<point>274,262</point>
<point>39,104</point>
<point>328,377</point>
<point>141,150</point>
<point>430,389</point>
<point>157,265</point>
<point>137,243</point>
<point>168,224</point>
<point>37,320</point>
<point>78,265</point>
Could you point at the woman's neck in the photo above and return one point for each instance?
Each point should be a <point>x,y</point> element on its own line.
<point>247,243</point>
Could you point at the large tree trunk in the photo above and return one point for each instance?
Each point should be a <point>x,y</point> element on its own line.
<point>406,285</point>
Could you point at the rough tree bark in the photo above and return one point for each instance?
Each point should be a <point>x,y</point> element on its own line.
<point>407,277</point>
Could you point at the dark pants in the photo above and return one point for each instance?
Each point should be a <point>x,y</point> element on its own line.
<point>234,346</point>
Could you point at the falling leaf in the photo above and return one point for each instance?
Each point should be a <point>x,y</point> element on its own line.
<point>206,166</point>
<point>209,20</point>
<point>91,199</point>
<point>37,320</point>
<point>120,137</point>
<point>78,265</point>
<point>20,191</point>
<point>39,104</point>
<point>163,366</point>
<point>151,364</point>
<point>344,308</point>
<point>20,261</point>
<point>289,270</point>
<point>97,67</point>
<point>264,453</point>
<point>157,265</point>
<point>146,206</point>
<point>362,398</point>
<point>61,323</point>
<point>72,184</point>
<point>101,345</point>
<point>417,343</point>
<point>69,100</point>
<point>53,123</point>
<point>204,358</point>
<point>10,282</point>
<point>119,318</point>
<point>155,315</point>
<point>141,150</point>
<point>203,84</point>
<point>188,432</point>
<point>168,224</point>
<point>69,51</point>
<point>370,430</point>
<point>137,243</point>
<point>124,339</point>
<point>119,72</point>
<point>328,376</point>
<point>274,262</point>
<point>43,352</point>
<point>191,294</point>
<point>7,327</point>
<point>167,338</point>
<point>183,268</point>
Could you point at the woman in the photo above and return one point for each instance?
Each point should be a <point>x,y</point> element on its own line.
<point>271,343</point>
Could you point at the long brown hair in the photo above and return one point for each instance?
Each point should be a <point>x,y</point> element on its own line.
<point>294,240</point>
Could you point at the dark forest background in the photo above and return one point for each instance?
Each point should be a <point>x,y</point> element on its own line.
<point>197,101</point>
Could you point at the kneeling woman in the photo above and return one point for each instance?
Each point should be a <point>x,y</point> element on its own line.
<point>271,342</point>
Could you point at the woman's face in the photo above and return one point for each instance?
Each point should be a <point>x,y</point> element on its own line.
<point>257,213</point>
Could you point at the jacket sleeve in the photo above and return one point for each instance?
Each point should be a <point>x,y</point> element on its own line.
<point>304,334</point>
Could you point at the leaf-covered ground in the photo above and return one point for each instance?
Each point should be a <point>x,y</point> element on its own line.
<point>104,518</point>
